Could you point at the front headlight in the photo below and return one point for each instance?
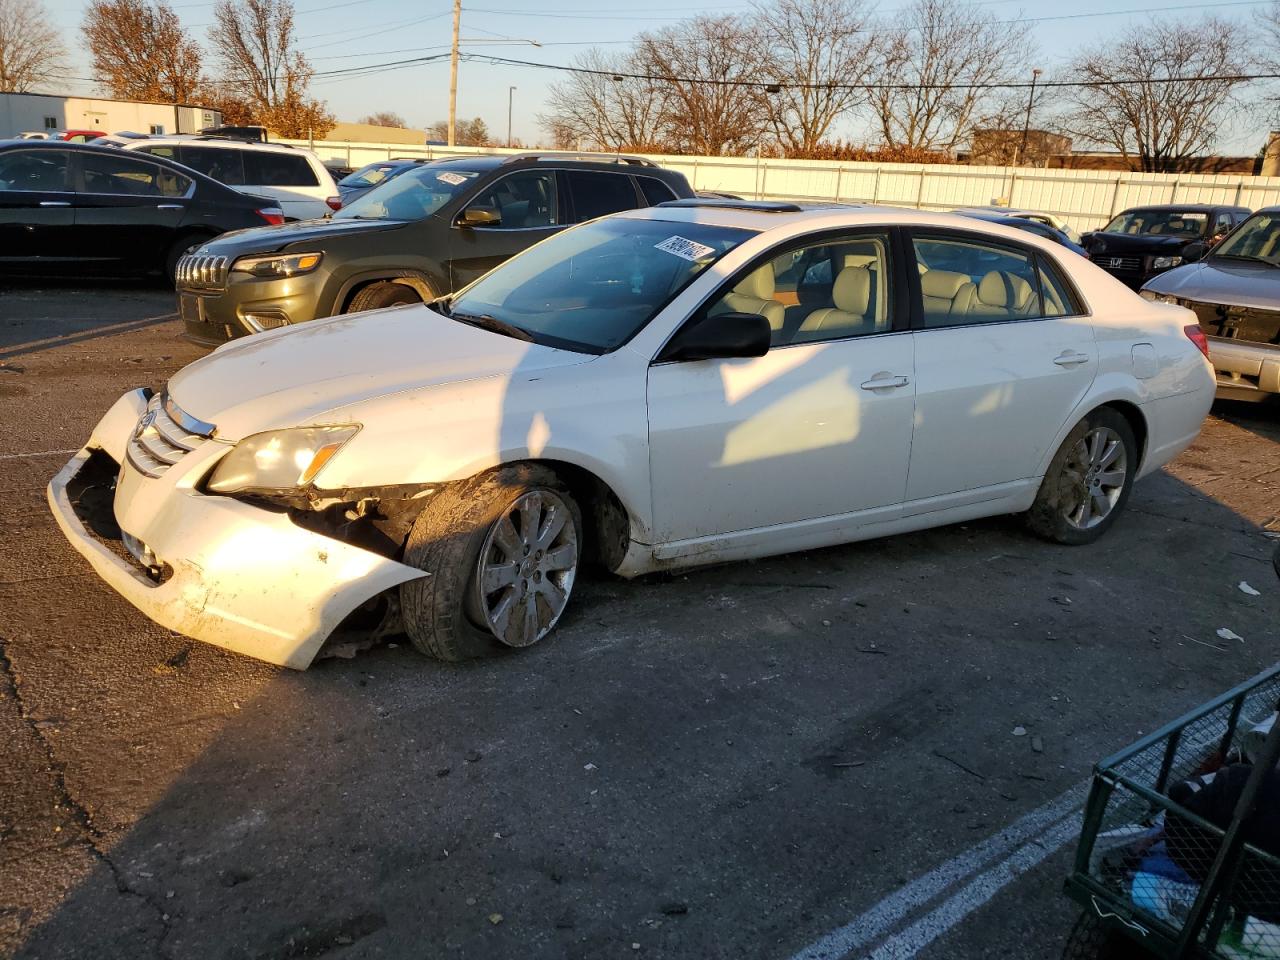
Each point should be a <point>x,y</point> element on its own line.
<point>1159,297</point>
<point>279,459</point>
<point>1164,263</point>
<point>283,265</point>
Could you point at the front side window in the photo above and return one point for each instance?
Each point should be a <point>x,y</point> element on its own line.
<point>1257,239</point>
<point>33,171</point>
<point>824,291</point>
<point>267,168</point>
<point>594,287</point>
<point>410,196</point>
<point>968,281</point>
<point>522,201</point>
<point>116,175</point>
<point>1160,223</point>
<point>1221,224</point>
<point>598,194</point>
<point>217,163</point>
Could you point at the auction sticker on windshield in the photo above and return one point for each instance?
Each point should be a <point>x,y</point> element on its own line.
<point>688,249</point>
<point>451,178</point>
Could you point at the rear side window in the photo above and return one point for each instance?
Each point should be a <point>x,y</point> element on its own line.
<point>117,175</point>
<point>1058,300</point>
<point>655,191</point>
<point>225,166</point>
<point>263,168</point>
<point>596,194</point>
<point>965,282</point>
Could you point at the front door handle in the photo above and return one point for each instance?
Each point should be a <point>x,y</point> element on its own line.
<point>1069,358</point>
<point>885,381</point>
<point>55,203</point>
<point>169,206</point>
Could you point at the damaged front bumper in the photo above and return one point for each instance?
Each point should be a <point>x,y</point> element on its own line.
<point>222,571</point>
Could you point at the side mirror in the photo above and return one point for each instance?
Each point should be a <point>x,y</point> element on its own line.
<point>720,337</point>
<point>1194,251</point>
<point>480,217</point>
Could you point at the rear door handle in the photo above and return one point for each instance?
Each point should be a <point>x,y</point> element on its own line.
<point>885,381</point>
<point>55,203</point>
<point>170,206</point>
<point>1069,358</point>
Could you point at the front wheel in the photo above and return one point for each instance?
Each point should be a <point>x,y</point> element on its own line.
<point>1088,481</point>
<point>378,296</point>
<point>501,554</point>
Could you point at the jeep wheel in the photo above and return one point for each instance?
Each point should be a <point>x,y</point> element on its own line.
<point>376,296</point>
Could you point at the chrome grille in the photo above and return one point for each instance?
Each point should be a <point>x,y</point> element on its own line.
<point>202,271</point>
<point>163,436</point>
<point>1120,264</point>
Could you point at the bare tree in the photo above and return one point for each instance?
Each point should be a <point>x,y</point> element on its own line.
<point>702,67</point>
<point>467,133</point>
<point>140,51</point>
<point>1134,107</point>
<point>605,106</point>
<point>29,48</point>
<point>254,44</point>
<point>928,89</point>
<point>820,53</point>
<point>385,118</point>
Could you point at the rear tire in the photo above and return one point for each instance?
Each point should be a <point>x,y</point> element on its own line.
<point>445,614</point>
<point>1088,481</point>
<point>377,296</point>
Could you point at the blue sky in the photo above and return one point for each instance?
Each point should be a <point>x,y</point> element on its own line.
<point>359,32</point>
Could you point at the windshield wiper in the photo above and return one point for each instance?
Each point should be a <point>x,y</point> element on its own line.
<point>486,322</point>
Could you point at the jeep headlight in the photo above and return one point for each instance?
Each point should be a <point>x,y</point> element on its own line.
<point>1164,263</point>
<point>279,459</point>
<point>1159,297</point>
<point>282,265</point>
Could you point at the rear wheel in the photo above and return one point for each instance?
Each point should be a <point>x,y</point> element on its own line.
<point>376,296</point>
<point>501,554</point>
<point>1088,481</point>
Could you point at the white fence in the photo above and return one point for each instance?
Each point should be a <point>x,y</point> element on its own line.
<point>1086,198</point>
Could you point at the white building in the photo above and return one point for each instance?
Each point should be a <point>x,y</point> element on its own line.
<point>36,112</point>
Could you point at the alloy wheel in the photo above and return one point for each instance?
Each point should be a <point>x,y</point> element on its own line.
<point>1096,473</point>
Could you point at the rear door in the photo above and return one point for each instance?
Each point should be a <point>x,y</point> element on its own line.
<point>529,207</point>
<point>36,219</point>
<point>1002,361</point>
<point>127,209</point>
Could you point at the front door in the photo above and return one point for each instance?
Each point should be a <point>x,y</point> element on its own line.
<point>127,210</point>
<point>528,209</point>
<point>819,427</point>
<point>1003,356</point>
<point>35,207</point>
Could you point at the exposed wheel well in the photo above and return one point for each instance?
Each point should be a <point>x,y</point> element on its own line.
<point>607,522</point>
<point>1137,423</point>
<point>417,284</point>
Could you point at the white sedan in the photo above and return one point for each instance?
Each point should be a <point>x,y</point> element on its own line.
<point>698,382</point>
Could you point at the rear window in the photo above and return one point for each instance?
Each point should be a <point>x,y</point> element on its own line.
<point>596,194</point>
<point>263,168</point>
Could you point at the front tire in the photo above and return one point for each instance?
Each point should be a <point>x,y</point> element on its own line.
<point>501,553</point>
<point>1088,481</point>
<point>378,296</point>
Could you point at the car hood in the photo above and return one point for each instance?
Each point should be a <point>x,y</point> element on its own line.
<point>1131,244</point>
<point>302,233</point>
<point>1235,283</point>
<point>292,376</point>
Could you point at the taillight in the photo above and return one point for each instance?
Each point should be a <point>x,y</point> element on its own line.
<point>1196,336</point>
<point>273,215</point>
<point>335,203</point>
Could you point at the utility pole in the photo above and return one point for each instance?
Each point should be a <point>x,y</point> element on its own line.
<point>510,91</point>
<point>1026,123</point>
<point>453,75</point>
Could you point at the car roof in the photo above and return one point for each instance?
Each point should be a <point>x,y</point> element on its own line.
<point>232,142</point>
<point>1190,207</point>
<point>574,161</point>
<point>89,149</point>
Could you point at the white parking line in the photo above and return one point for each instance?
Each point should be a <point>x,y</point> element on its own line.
<point>868,927</point>
<point>35,453</point>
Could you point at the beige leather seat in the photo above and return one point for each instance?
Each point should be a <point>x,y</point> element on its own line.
<point>999,295</point>
<point>754,294</point>
<point>851,314</point>
<point>939,290</point>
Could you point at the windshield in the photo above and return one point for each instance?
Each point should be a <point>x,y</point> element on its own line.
<point>1168,223</point>
<point>369,176</point>
<point>1258,238</point>
<point>410,196</point>
<point>592,288</point>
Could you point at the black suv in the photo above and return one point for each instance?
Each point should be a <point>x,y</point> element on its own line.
<point>1143,241</point>
<point>424,234</point>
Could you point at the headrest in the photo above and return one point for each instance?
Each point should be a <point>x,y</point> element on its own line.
<point>942,283</point>
<point>757,283</point>
<point>852,290</point>
<point>860,259</point>
<point>1004,290</point>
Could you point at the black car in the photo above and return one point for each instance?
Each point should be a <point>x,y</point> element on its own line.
<point>424,234</point>
<point>1144,241</point>
<point>358,183</point>
<point>76,209</point>
<point>1028,226</point>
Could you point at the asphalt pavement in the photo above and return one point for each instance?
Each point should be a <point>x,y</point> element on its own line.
<point>803,756</point>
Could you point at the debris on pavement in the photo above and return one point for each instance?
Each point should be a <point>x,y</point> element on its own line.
<point>495,918</point>
<point>1246,589</point>
<point>1037,745</point>
<point>1226,633</point>
<point>1019,731</point>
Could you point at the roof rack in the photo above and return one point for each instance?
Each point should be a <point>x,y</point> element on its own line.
<point>590,157</point>
<point>230,139</point>
<point>758,206</point>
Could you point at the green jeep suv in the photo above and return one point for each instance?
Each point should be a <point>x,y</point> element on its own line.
<point>422,235</point>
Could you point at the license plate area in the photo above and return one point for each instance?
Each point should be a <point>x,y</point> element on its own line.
<point>191,308</point>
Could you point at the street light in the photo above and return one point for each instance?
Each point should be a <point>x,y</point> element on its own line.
<point>510,91</point>
<point>1026,123</point>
